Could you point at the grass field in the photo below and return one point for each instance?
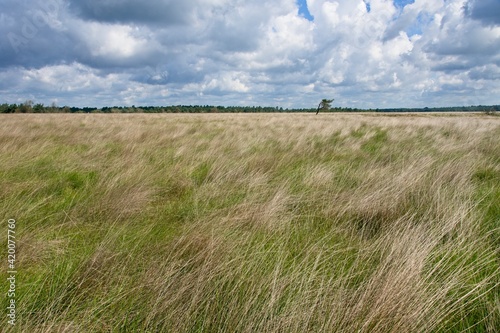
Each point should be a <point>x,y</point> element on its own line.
<point>252,222</point>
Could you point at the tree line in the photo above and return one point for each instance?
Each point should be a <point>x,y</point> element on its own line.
<point>30,107</point>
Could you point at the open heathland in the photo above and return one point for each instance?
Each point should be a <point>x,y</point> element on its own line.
<point>252,222</point>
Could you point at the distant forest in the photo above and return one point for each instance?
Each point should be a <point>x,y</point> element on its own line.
<point>30,107</point>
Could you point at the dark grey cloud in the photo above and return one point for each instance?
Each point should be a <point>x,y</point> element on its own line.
<point>453,66</point>
<point>236,52</point>
<point>32,34</point>
<point>488,72</point>
<point>46,48</point>
<point>164,12</point>
<point>486,11</point>
<point>234,37</point>
<point>234,30</point>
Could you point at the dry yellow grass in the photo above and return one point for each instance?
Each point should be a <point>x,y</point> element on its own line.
<point>254,222</point>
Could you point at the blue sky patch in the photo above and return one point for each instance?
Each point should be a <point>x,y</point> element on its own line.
<point>402,3</point>
<point>423,19</point>
<point>304,11</point>
<point>368,6</point>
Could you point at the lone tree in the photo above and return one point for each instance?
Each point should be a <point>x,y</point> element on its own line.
<point>324,105</point>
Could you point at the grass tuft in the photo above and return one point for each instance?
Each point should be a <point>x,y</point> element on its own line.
<point>253,222</point>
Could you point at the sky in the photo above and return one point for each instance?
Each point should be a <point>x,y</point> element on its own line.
<point>286,53</point>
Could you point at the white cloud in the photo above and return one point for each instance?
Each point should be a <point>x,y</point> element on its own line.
<point>223,82</point>
<point>431,52</point>
<point>114,41</point>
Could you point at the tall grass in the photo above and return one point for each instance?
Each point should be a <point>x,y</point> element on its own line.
<point>253,223</point>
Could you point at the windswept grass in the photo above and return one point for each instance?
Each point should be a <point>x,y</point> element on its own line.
<point>253,223</point>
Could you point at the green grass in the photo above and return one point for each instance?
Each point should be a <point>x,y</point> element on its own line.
<point>252,223</point>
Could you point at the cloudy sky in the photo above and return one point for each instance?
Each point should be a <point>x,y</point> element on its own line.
<point>288,53</point>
